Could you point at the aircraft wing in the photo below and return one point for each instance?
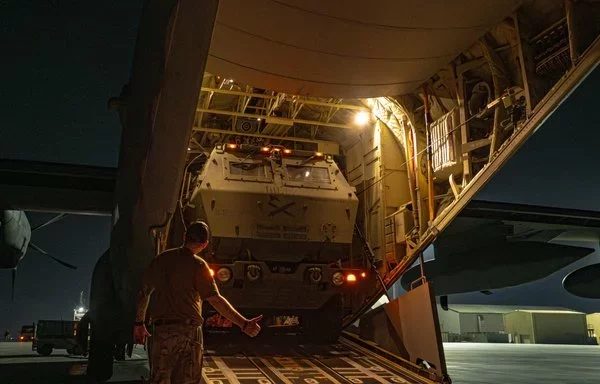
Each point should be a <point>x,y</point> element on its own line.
<point>492,245</point>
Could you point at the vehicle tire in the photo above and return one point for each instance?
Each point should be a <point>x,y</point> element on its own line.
<point>45,350</point>
<point>75,350</point>
<point>120,352</point>
<point>325,324</point>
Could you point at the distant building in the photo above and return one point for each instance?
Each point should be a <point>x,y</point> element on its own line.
<point>512,324</point>
<point>593,326</point>
<point>547,326</point>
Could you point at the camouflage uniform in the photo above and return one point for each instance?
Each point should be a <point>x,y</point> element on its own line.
<point>177,354</point>
<point>178,281</point>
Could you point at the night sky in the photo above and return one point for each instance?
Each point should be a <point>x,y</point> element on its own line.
<point>62,61</point>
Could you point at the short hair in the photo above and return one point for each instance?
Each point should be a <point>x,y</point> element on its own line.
<point>197,232</point>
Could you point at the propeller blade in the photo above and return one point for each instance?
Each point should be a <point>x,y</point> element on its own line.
<point>51,221</point>
<point>14,277</point>
<point>40,250</point>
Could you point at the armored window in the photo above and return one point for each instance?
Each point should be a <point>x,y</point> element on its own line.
<point>247,169</point>
<point>317,175</point>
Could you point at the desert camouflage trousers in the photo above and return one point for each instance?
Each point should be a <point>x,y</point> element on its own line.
<point>176,354</point>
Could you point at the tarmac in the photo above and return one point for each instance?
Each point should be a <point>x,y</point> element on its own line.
<point>468,363</point>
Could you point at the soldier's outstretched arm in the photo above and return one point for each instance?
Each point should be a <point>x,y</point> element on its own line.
<point>143,298</point>
<point>249,326</point>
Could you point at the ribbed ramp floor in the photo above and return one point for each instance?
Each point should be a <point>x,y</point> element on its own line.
<point>229,361</point>
<point>344,362</point>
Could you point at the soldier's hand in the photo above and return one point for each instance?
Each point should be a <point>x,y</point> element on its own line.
<point>252,327</point>
<point>140,333</point>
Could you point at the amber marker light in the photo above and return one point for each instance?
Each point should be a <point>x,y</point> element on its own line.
<point>287,151</point>
<point>351,277</point>
<point>231,146</point>
<point>318,154</point>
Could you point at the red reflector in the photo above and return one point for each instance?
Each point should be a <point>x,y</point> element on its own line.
<point>351,277</point>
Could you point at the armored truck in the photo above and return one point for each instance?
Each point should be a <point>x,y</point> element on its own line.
<point>282,224</point>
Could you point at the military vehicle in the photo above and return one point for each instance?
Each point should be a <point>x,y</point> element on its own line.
<point>55,334</point>
<point>282,224</point>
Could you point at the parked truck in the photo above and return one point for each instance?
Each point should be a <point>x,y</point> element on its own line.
<point>55,334</point>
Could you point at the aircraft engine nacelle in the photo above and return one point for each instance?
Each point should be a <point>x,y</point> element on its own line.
<point>502,265</point>
<point>584,282</point>
<point>15,234</point>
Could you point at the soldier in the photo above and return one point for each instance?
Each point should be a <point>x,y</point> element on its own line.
<point>180,280</point>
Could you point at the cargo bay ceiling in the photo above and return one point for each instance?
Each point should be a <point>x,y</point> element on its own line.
<point>345,48</point>
<point>298,72</point>
<point>449,94</point>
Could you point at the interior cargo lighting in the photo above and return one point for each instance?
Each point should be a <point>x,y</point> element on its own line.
<point>363,274</point>
<point>287,151</point>
<point>231,146</point>
<point>223,274</point>
<point>361,118</point>
<point>338,278</point>
<point>212,272</point>
<point>351,277</point>
<point>253,272</point>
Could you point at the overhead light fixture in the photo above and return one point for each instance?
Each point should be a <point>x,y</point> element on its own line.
<point>361,118</point>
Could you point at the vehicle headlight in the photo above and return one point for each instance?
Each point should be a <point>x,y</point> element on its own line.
<point>224,274</point>
<point>338,278</point>
<point>315,274</point>
<point>253,272</point>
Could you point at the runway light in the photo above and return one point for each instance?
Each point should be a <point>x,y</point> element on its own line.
<point>351,277</point>
<point>361,118</point>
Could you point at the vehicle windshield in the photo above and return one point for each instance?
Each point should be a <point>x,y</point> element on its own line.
<point>300,173</point>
